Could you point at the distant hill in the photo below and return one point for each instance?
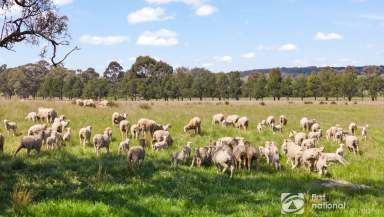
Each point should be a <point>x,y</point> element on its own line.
<point>304,70</point>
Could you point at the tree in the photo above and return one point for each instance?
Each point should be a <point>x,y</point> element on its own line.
<point>200,76</point>
<point>374,81</point>
<point>35,21</point>
<point>222,86</point>
<point>314,85</point>
<point>274,83</point>
<point>260,86</point>
<point>326,76</point>
<point>299,86</point>
<point>235,85</point>
<point>286,87</point>
<point>114,74</point>
<point>349,82</point>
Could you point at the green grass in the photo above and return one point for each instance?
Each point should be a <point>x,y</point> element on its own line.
<point>74,182</point>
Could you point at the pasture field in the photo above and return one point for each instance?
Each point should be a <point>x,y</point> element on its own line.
<point>72,181</point>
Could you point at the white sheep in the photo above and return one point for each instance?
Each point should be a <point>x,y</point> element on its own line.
<point>283,120</point>
<point>67,135</point>
<point>308,143</point>
<point>352,128</point>
<point>36,129</point>
<point>315,135</point>
<point>117,117</point>
<point>297,136</point>
<point>352,142</point>
<point>230,120</point>
<point>160,145</point>
<point>293,152</point>
<point>182,155</point>
<point>315,127</point>
<point>159,135</point>
<point>32,116</point>
<point>135,131</point>
<point>364,132</point>
<point>124,127</point>
<point>85,135</point>
<point>108,131</point>
<point>10,126</point>
<point>217,118</point>
<point>270,119</point>
<point>242,123</point>
<point>193,124</point>
<point>101,141</point>
<point>136,154</point>
<point>276,128</point>
<point>53,141</point>
<point>124,146</point>
<point>30,142</point>
<point>47,114</point>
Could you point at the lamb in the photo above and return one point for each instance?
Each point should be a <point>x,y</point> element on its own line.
<point>36,129</point>
<point>117,117</point>
<point>217,118</point>
<point>182,155</point>
<point>364,132</point>
<point>270,120</point>
<point>85,135</point>
<point>231,120</point>
<point>67,135</point>
<point>32,116</point>
<point>124,127</point>
<point>242,123</point>
<point>108,131</point>
<point>315,135</point>
<point>193,124</point>
<point>310,156</point>
<point>203,155</point>
<point>276,128</point>
<point>352,143</point>
<point>293,152</point>
<point>224,160</point>
<point>136,154</point>
<point>283,120</point>
<point>160,145</point>
<point>352,128</point>
<point>315,127</point>
<point>135,131</point>
<point>47,114</point>
<point>159,135</point>
<point>10,126</point>
<point>124,146</point>
<point>53,140</point>
<point>30,143</point>
<point>297,136</point>
<point>2,140</point>
<point>101,141</point>
<point>308,143</point>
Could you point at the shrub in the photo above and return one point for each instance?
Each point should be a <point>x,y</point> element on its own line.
<point>262,103</point>
<point>144,106</point>
<point>226,103</point>
<point>333,103</point>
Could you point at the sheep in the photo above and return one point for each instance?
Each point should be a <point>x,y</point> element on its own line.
<point>308,143</point>
<point>167,127</point>
<point>58,125</point>
<point>32,116</point>
<point>224,160</point>
<point>271,152</point>
<point>229,141</point>
<point>2,141</point>
<point>124,127</point>
<point>306,124</point>
<point>10,126</point>
<point>230,120</point>
<point>53,140</point>
<point>293,152</point>
<point>117,117</point>
<point>315,135</point>
<point>30,143</point>
<point>240,154</point>
<point>159,135</point>
<point>217,118</point>
<point>101,141</point>
<point>47,114</point>
<point>105,103</point>
<point>193,124</point>
<point>108,131</point>
<point>270,119</point>
<point>276,128</point>
<point>352,128</point>
<point>79,102</point>
<point>283,120</point>
<point>85,135</point>
<point>352,143</point>
<point>136,154</point>
<point>67,135</point>
<point>182,155</point>
<point>334,158</point>
<point>135,131</point>
<point>364,132</point>
<point>297,136</point>
<point>315,127</point>
<point>89,103</point>
<point>203,155</point>
<point>242,123</point>
<point>252,153</point>
<point>160,145</point>
<point>260,127</point>
<point>310,156</point>
<point>36,129</point>
<point>124,146</point>
<point>321,165</point>
<point>340,150</point>
<point>148,126</point>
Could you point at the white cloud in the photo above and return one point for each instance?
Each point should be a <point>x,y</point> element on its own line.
<point>327,36</point>
<point>223,59</point>
<point>162,37</point>
<point>62,2</point>
<point>99,40</point>
<point>249,55</point>
<point>373,17</point>
<point>287,47</point>
<point>147,14</point>
<point>207,65</point>
<point>205,10</point>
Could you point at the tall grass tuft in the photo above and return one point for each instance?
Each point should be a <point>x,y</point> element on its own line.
<point>21,197</point>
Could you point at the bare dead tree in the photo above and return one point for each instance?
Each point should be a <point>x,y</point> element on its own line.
<point>34,21</point>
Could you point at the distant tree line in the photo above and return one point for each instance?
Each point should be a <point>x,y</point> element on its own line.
<point>151,79</point>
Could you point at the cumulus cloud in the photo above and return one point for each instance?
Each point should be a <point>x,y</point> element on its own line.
<point>205,10</point>
<point>62,2</point>
<point>147,14</point>
<point>288,47</point>
<point>223,59</point>
<point>99,40</point>
<point>162,37</point>
<point>249,55</point>
<point>327,36</point>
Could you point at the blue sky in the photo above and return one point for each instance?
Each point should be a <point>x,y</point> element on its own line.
<point>221,35</point>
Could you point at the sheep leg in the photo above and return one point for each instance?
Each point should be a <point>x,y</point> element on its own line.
<point>232,168</point>
<point>17,150</point>
<point>193,162</point>
<point>225,166</point>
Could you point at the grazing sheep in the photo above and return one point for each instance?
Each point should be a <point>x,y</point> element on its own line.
<point>271,153</point>
<point>36,129</point>
<point>135,131</point>
<point>242,123</point>
<point>32,116</point>
<point>308,143</point>
<point>124,127</point>
<point>252,153</point>
<point>117,117</point>
<point>105,103</point>
<point>182,155</point>
<point>276,128</point>
<point>229,141</point>
<point>217,118</point>
<point>270,119</point>
<point>10,126</point>
<point>30,143</point>
<point>352,128</point>
<point>2,140</point>
<point>297,136</point>
<point>136,154</point>
<point>240,154</point>
<point>306,124</point>
<point>310,156</point>
<point>260,127</point>
<point>101,141</point>
<point>159,135</point>
<point>224,159</point>
<point>85,135</point>
<point>340,150</point>
<point>148,126</point>
<point>293,152</point>
<point>79,102</point>
<point>67,135</point>
<point>124,146</point>
<point>53,140</point>
<point>193,124</point>
<point>89,103</point>
<point>203,155</point>
<point>334,158</point>
<point>283,120</point>
<point>108,131</point>
<point>315,135</point>
<point>160,145</point>
<point>47,114</point>
<point>364,132</point>
<point>58,125</point>
<point>230,120</point>
<point>321,165</point>
<point>315,127</point>
<point>352,143</point>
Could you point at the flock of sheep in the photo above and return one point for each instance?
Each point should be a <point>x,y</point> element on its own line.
<point>226,153</point>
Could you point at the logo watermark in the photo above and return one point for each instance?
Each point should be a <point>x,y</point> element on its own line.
<point>319,201</point>
<point>292,203</point>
